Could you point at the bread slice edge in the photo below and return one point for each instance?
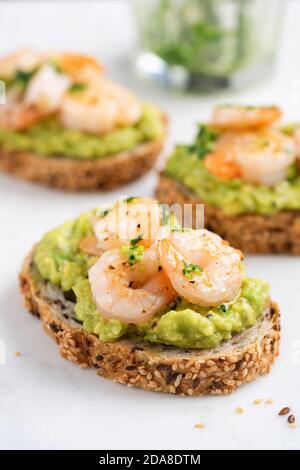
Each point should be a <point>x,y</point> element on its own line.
<point>251,233</point>
<point>86,174</point>
<point>153,366</point>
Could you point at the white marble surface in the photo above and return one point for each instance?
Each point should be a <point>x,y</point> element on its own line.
<point>47,402</point>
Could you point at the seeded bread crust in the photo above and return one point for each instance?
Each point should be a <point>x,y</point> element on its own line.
<point>251,233</point>
<point>83,175</point>
<point>152,366</point>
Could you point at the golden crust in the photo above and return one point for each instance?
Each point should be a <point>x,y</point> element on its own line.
<point>157,367</point>
<point>251,233</point>
<point>83,175</point>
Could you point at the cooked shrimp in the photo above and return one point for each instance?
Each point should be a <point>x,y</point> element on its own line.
<point>244,117</point>
<point>264,157</point>
<point>79,66</point>
<point>17,115</point>
<point>261,157</point>
<point>129,294</point>
<point>23,59</point>
<point>221,163</point>
<point>46,89</point>
<point>99,108</point>
<point>42,97</point>
<point>202,267</point>
<point>126,221</point>
<point>89,245</point>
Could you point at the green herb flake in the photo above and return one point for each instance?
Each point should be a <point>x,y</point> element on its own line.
<point>223,308</point>
<point>77,87</point>
<point>21,79</point>
<point>130,199</point>
<point>134,251</point>
<point>205,141</point>
<point>191,269</point>
<point>104,212</point>
<point>135,241</point>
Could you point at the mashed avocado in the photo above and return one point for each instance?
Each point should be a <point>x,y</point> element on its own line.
<point>49,138</point>
<point>59,259</point>
<point>232,197</point>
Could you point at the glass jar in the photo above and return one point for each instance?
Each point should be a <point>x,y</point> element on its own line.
<point>206,44</point>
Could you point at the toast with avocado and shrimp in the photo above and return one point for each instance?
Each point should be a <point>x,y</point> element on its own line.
<point>117,305</point>
<point>66,125</point>
<point>243,167</point>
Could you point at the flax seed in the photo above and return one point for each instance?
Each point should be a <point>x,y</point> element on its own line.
<point>284,411</point>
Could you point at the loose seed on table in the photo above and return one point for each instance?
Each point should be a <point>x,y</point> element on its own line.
<point>284,411</point>
<point>239,410</point>
<point>291,419</point>
<point>200,425</point>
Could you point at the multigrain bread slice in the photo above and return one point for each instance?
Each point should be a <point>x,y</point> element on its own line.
<point>82,175</point>
<point>152,366</point>
<point>251,233</point>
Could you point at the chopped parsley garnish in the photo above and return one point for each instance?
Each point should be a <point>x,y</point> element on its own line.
<point>77,87</point>
<point>205,141</point>
<point>223,308</point>
<point>292,172</point>
<point>134,251</point>
<point>21,79</point>
<point>130,199</point>
<point>191,269</point>
<point>104,212</point>
<point>135,240</point>
<point>181,229</point>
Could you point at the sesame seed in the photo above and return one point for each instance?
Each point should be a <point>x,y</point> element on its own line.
<point>83,365</point>
<point>292,425</point>
<point>269,401</point>
<point>239,410</point>
<point>178,380</point>
<point>200,425</point>
<point>258,401</point>
<point>18,354</point>
<point>157,374</point>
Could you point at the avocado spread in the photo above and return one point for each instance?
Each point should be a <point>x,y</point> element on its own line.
<point>48,138</point>
<point>233,197</point>
<point>59,260</point>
